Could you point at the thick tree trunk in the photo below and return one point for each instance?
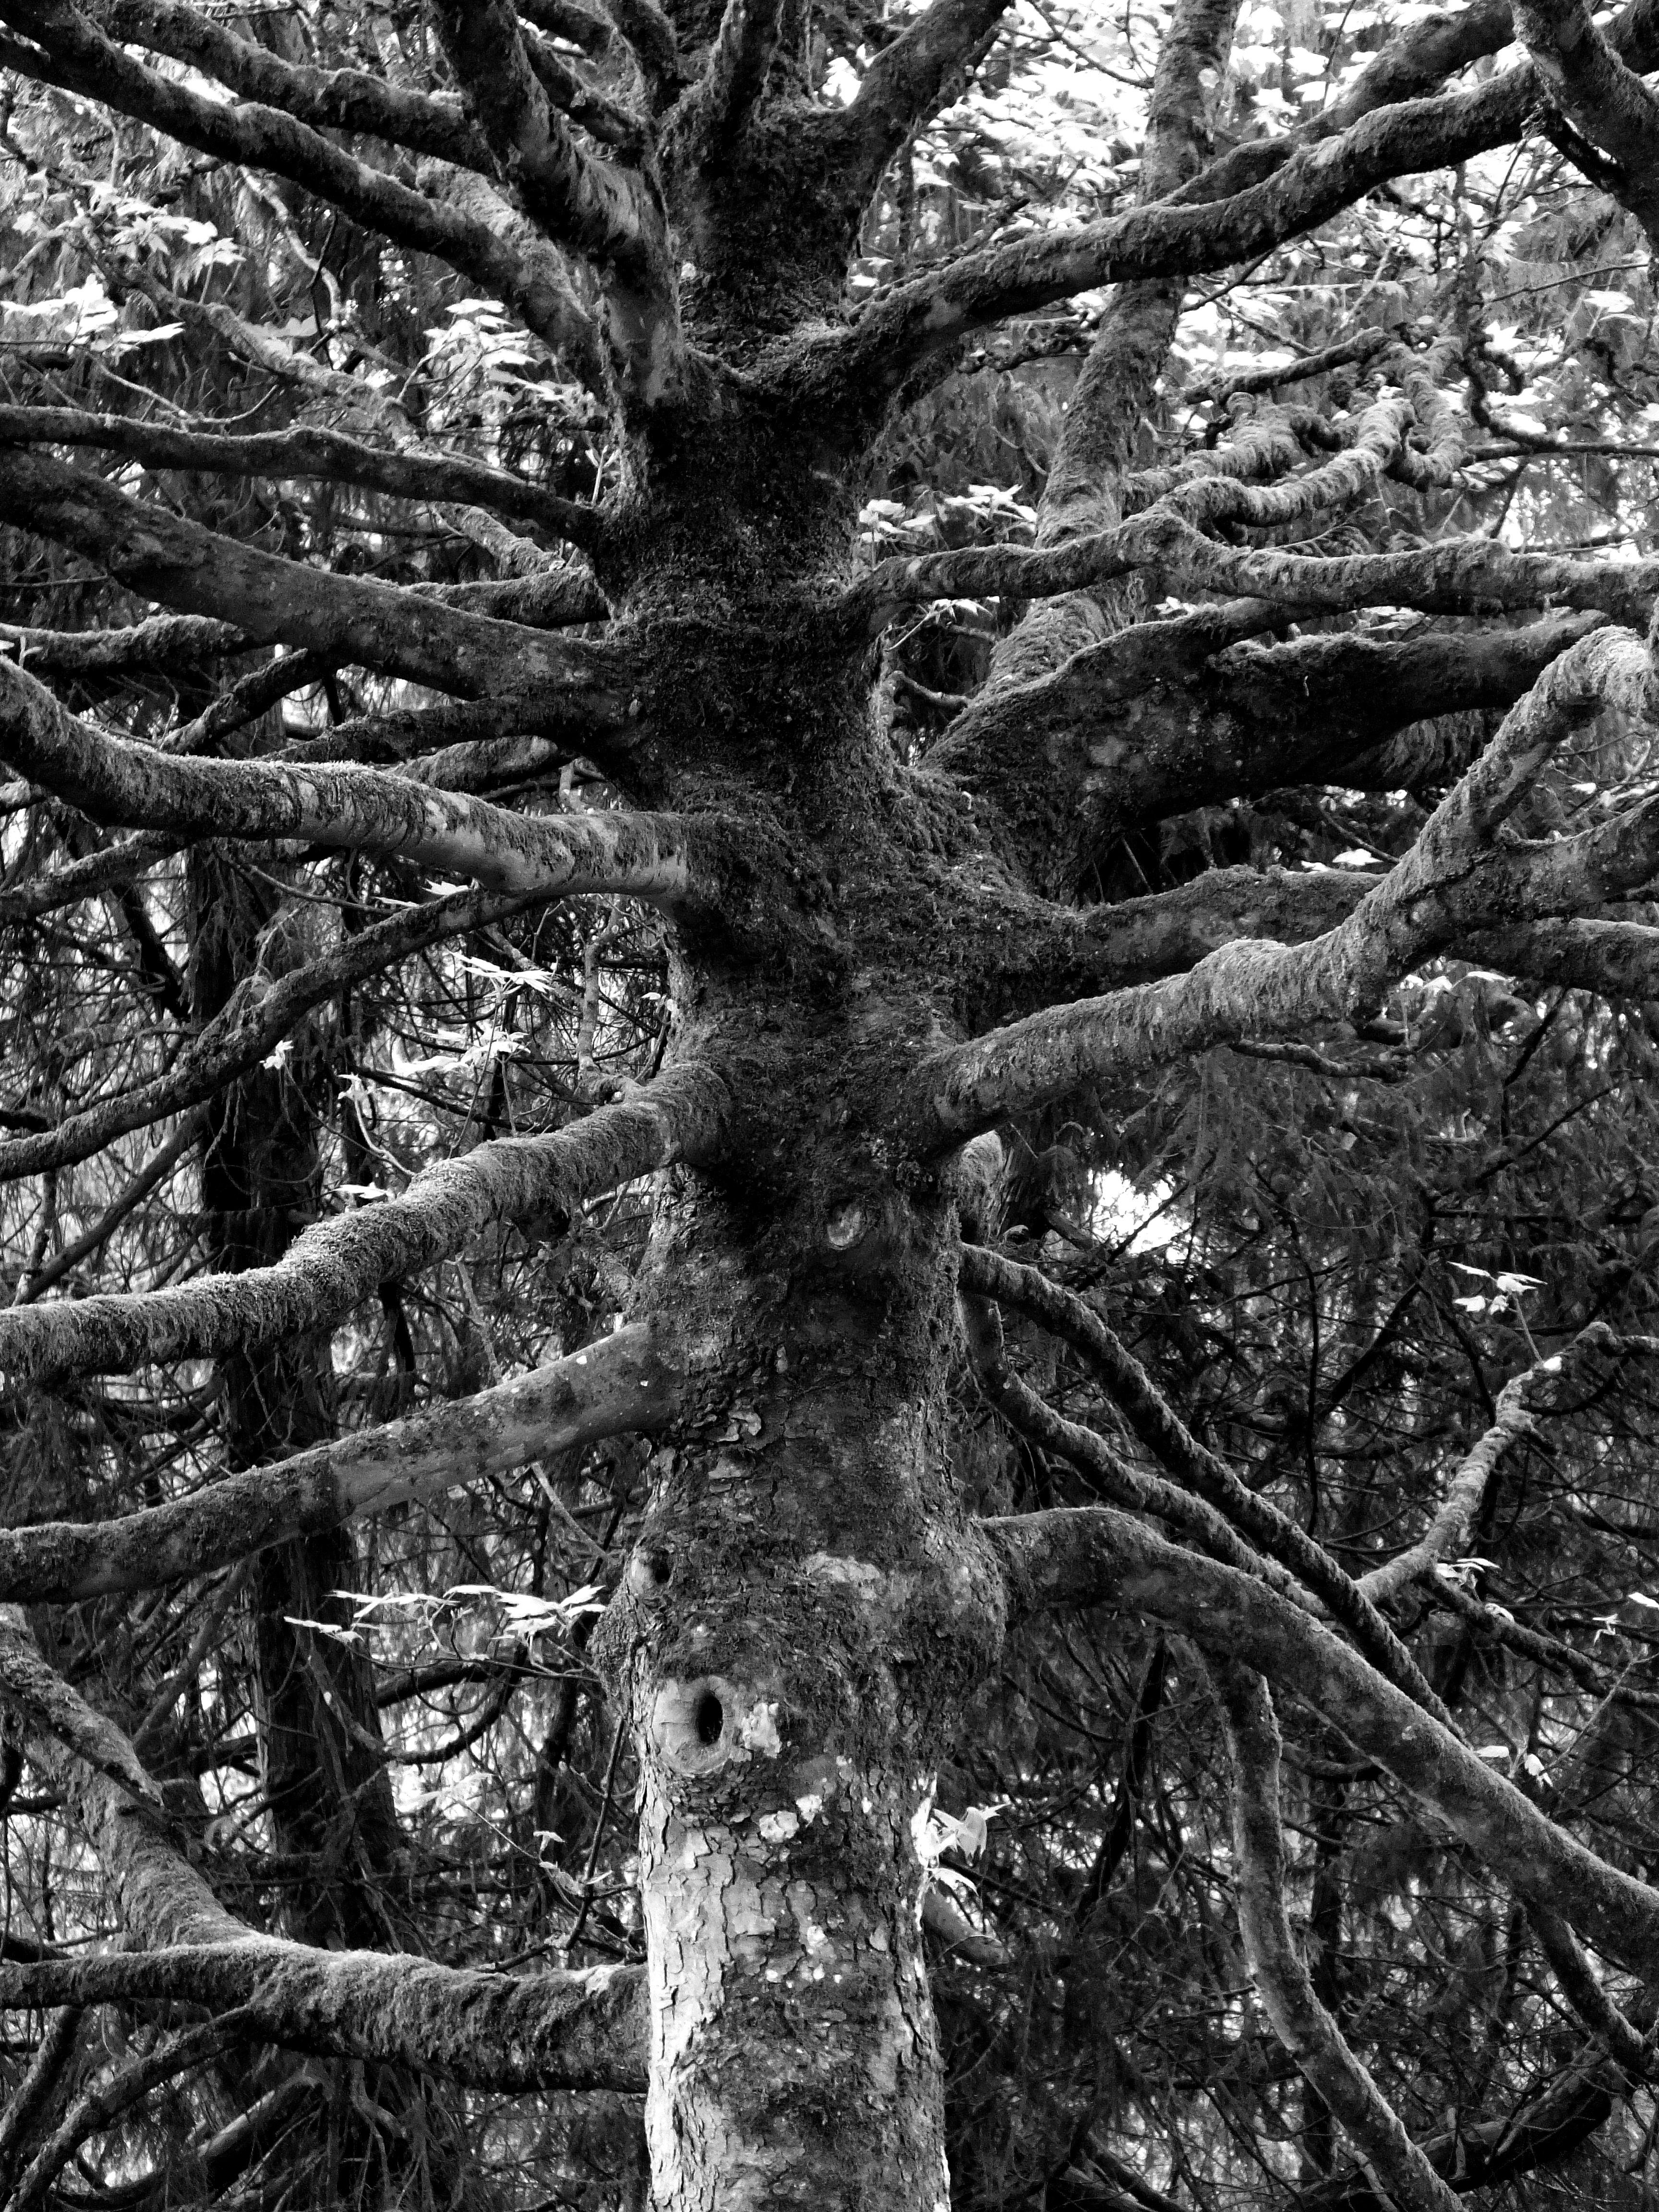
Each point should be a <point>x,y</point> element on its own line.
<point>804,1604</point>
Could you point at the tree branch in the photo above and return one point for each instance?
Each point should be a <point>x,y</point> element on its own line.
<point>345,809</point>
<point>163,556</point>
<point>503,2032</point>
<point>306,452</point>
<point>988,1274</point>
<point>1300,2020</point>
<point>1096,1556</point>
<point>338,1263</point>
<point>70,53</point>
<point>1603,98</point>
<point>633,1381</point>
<point>1250,990</point>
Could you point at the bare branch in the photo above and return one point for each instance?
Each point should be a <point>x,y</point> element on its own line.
<point>635,1380</point>
<point>338,1263</point>
<point>1301,2022</point>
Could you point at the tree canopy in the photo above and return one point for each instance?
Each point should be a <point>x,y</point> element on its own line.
<point>828,999</point>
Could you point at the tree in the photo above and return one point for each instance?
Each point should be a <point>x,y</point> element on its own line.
<point>769,916</point>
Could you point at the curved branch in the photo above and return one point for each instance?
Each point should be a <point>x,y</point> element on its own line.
<point>1603,98</point>
<point>345,809</point>
<point>1449,1531</point>
<point>338,1263</point>
<point>866,364</point>
<point>1300,2020</point>
<point>633,1381</point>
<point>1095,1556</point>
<point>273,601</point>
<point>504,2033</point>
<point>1268,991</point>
<point>306,452</point>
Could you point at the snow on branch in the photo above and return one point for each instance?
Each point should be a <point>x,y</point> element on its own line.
<point>343,809</point>
<point>629,1382</point>
<point>1300,2020</point>
<point>338,1263</point>
<point>1094,1555</point>
<point>505,2032</point>
<point>164,557</point>
<point>1265,991</point>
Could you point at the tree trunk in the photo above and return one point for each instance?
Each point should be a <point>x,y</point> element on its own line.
<point>804,1605</point>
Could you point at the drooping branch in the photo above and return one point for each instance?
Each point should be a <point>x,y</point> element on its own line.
<point>1262,991</point>
<point>305,452</point>
<point>1094,1555</point>
<point>1300,2020</point>
<point>346,809</point>
<point>633,1381</point>
<point>68,51</point>
<point>273,601</point>
<point>504,2033</point>
<point>338,1263</point>
<point>1198,1469</point>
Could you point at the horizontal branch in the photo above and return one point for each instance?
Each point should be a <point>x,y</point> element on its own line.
<point>505,2032</point>
<point>166,642</point>
<point>338,1263</point>
<point>1093,1555</point>
<point>630,1382</point>
<point>1269,991</point>
<point>273,601</point>
<point>306,452</point>
<point>344,808</point>
<point>1459,577</point>
<point>1156,720</point>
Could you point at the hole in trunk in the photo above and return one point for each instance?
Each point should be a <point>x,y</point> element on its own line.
<point>711,1718</point>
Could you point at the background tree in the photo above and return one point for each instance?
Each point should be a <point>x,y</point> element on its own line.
<point>827,1185</point>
